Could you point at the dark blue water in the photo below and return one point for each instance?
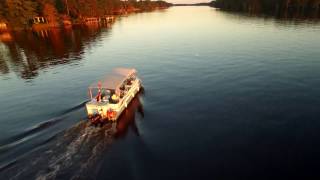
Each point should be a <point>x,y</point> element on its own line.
<point>226,96</point>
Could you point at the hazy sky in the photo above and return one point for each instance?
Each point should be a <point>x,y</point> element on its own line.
<point>187,1</point>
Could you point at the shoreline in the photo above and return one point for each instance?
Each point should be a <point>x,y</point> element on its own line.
<point>79,22</point>
<point>287,9</point>
<point>6,35</point>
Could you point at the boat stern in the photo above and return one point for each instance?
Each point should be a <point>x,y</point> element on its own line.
<point>101,111</point>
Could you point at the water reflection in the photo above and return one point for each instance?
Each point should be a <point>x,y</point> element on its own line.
<point>5,37</point>
<point>25,53</point>
<point>258,85</point>
<point>127,119</point>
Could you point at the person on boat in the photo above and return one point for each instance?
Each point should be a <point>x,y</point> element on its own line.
<point>115,98</point>
<point>99,96</point>
<point>104,96</point>
<point>129,82</point>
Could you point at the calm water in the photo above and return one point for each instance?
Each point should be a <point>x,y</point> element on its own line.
<point>226,96</point>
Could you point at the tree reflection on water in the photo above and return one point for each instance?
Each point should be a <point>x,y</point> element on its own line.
<point>26,52</point>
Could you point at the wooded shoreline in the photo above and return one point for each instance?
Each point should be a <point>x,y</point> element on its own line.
<point>29,14</point>
<point>286,8</point>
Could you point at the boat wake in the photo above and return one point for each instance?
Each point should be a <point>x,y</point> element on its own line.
<point>75,153</point>
<point>30,132</point>
<point>74,108</point>
<point>11,148</point>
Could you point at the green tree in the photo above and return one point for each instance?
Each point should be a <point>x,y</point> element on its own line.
<point>270,6</point>
<point>60,5</point>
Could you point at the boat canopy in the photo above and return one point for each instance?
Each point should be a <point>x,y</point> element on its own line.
<point>113,80</point>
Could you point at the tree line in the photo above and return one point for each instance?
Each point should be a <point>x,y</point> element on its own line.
<point>18,13</point>
<point>270,6</point>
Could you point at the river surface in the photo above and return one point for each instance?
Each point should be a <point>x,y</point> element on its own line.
<point>226,96</point>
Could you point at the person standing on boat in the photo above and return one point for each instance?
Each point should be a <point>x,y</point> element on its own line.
<point>99,92</point>
<point>99,95</point>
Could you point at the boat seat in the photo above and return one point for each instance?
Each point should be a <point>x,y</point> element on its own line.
<point>105,99</point>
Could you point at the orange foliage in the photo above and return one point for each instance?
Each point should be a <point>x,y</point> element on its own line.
<point>50,12</point>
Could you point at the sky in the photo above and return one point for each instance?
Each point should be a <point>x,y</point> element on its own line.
<point>187,1</point>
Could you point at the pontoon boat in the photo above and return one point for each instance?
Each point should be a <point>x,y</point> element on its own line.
<point>111,95</point>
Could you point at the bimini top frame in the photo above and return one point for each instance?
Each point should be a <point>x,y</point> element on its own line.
<point>114,80</point>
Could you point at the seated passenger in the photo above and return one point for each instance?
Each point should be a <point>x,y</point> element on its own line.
<point>105,99</point>
<point>115,98</point>
<point>129,82</point>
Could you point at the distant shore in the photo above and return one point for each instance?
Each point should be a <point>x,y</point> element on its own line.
<point>194,4</point>
<point>283,8</point>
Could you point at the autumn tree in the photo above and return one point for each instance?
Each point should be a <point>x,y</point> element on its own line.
<point>2,11</point>
<point>88,7</point>
<point>50,12</point>
<point>20,12</point>
<point>109,6</point>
